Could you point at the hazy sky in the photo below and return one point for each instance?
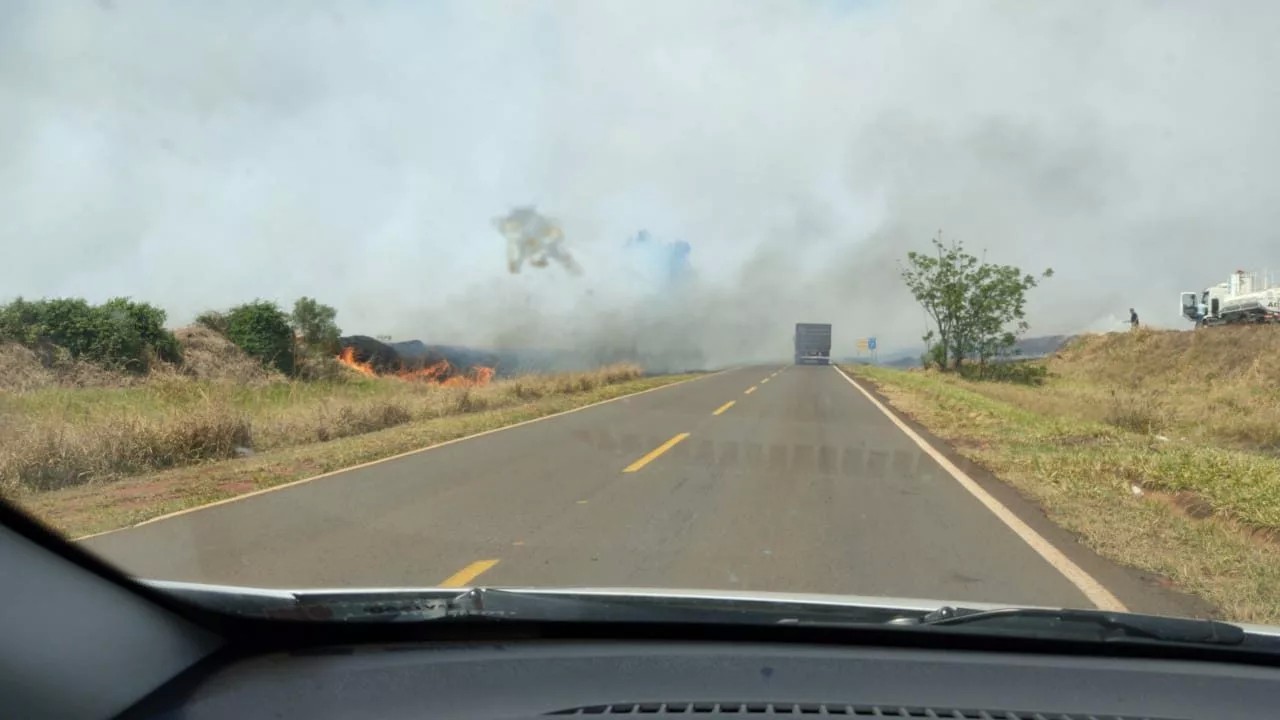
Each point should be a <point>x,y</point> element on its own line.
<point>201,154</point>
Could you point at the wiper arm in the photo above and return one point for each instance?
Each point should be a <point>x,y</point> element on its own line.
<point>1088,624</point>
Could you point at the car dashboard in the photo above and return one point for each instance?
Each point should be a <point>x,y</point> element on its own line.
<point>659,679</point>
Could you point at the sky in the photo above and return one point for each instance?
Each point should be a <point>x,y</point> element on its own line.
<point>197,155</point>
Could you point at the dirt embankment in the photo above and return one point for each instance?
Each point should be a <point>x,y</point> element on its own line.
<point>1218,386</point>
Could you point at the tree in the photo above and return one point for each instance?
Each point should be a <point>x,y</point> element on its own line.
<point>316,324</point>
<point>972,303</point>
<point>262,330</point>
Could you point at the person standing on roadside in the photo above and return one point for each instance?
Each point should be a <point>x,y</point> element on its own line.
<point>1133,319</point>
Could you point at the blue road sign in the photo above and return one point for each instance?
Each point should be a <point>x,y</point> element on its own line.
<point>871,343</point>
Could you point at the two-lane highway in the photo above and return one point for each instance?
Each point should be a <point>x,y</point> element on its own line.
<point>778,478</point>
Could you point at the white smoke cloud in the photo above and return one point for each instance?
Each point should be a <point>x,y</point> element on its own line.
<point>199,155</point>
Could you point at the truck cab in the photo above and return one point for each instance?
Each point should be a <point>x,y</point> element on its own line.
<point>1206,307</point>
<point>1195,306</point>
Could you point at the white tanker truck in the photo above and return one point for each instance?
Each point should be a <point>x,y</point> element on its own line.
<point>1245,298</point>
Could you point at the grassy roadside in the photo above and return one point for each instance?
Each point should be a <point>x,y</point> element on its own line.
<point>1200,514</point>
<point>1220,388</point>
<point>100,506</point>
<point>57,437</point>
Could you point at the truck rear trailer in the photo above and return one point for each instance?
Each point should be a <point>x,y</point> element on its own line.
<point>813,343</point>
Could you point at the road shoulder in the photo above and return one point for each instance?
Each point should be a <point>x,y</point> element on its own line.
<point>1139,590</point>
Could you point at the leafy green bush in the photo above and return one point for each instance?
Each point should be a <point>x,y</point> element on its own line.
<point>262,330</point>
<point>19,321</point>
<point>213,320</point>
<point>148,322</point>
<point>119,334</point>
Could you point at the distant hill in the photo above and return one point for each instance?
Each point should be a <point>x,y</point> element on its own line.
<point>1042,346</point>
<point>507,361</point>
<point>460,357</point>
<point>1024,349</point>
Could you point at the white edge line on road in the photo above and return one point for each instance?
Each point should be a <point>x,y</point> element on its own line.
<point>405,454</point>
<point>1092,589</point>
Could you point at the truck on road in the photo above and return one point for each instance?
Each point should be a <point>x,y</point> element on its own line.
<point>813,343</point>
<point>1245,298</point>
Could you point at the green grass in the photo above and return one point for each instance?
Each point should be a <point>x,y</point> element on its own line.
<point>100,506</point>
<point>1082,471</point>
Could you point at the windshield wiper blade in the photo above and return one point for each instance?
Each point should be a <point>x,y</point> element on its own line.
<point>485,604</point>
<point>1089,624</point>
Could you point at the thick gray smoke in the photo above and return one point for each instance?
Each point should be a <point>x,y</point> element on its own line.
<point>202,154</point>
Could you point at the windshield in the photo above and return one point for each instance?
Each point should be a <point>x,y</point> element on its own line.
<point>867,300</point>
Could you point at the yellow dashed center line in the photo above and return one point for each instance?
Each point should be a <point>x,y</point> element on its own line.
<point>724,407</point>
<point>654,453</point>
<point>464,576</point>
<point>764,381</point>
<point>750,390</point>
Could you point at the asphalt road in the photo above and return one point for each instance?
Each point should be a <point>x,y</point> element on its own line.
<point>801,485</point>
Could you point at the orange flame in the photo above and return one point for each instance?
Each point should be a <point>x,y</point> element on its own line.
<point>348,357</point>
<point>442,373</point>
<point>478,376</point>
<point>430,373</point>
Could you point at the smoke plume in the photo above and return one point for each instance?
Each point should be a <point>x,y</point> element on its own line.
<point>198,155</point>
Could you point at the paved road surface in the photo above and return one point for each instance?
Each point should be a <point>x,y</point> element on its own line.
<point>800,485</point>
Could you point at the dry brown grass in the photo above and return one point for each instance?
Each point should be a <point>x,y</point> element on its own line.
<point>210,356</point>
<point>21,370</point>
<point>52,436</point>
<point>24,370</point>
<point>44,456</point>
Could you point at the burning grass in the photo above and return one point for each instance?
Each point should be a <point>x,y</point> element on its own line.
<point>441,372</point>
<point>55,437</point>
<point>1080,445</point>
